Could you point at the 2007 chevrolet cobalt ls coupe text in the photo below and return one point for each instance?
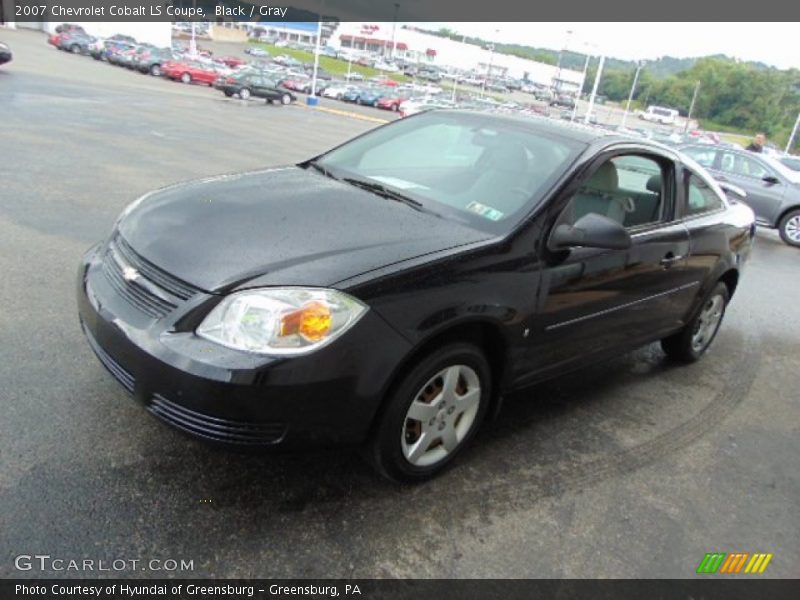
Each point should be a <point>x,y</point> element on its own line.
<point>387,292</point>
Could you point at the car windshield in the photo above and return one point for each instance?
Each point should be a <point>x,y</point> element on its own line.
<point>481,170</point>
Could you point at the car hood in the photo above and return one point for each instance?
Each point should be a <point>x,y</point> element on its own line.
<point>286,226</point>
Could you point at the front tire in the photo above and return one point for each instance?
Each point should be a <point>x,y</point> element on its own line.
<point>244,93</point>
<point>186,78</point>
<point>155,70</point>
<point>691,342</point>
<point>75,49</point>
<point>789,228</point>
<point>432,414</point>
<point>286,99</point>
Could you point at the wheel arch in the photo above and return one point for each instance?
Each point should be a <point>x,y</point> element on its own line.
<point>785,212</point>
<point>483,333</point>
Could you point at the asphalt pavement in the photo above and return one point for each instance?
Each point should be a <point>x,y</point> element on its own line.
<point>632,468</point>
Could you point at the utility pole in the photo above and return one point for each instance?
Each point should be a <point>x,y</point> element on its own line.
<point>394,27</point>
<point>580,91</point>
<point>691,107</point>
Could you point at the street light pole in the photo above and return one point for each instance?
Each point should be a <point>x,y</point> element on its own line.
<point>583,82</point>
<point>791,137</point>
<point>594,89</point>
<point>394,27</point>
<point>691,107</point>
<point>489,70</point>
<point>558,66</point>
<point>639,66</point>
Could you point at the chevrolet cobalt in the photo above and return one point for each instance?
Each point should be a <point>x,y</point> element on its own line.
<point>388,292</point>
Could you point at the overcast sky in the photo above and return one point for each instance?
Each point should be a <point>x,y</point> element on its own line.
<point>772,43</point>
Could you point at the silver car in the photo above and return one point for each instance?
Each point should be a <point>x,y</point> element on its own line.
<point>773,189</point>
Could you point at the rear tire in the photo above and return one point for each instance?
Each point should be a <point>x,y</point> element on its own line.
<point>432,413</point>
<point>155,70</point>
<point>186,78</point>
<point>691,342</point>
<point>227,93</point>
<point>244,93</point>
<point>789,228</point>
<point>75,49</point>
<point>286,99</point>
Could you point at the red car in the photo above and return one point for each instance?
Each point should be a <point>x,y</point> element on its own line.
<point>390,102</point>
<point>296,85</point>
<point>231,61</point>
<point>189,72</point>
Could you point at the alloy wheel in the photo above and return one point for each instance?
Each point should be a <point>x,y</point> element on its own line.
<point>708,322</point>
<point>441,415</point>
<point>792,229</point>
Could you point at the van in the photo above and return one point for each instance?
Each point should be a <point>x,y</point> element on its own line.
<point>659,114</point>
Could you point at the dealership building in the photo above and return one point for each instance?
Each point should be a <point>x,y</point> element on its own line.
<point>418,46</point>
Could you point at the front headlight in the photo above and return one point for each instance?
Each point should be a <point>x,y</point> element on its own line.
<point>281,321</point>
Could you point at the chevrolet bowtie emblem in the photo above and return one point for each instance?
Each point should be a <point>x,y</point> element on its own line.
<point>130,274</point>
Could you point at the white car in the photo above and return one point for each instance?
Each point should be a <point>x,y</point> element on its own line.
<point>354,76</point>
<point>384,66</point>
<point>336,91</point>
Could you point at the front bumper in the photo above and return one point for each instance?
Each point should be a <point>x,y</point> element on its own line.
<point>229,396</point>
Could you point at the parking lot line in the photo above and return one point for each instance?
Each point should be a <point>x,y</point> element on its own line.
<point>345,113</point>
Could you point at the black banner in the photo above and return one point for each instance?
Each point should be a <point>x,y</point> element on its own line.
<point>391,10</point>
<point>712,588</point>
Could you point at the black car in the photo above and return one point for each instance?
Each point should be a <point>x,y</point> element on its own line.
<point>5,53</point>
<point>390,291</point>
<point>254,84</point>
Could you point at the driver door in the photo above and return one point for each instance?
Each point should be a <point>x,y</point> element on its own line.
<point>593,300</point>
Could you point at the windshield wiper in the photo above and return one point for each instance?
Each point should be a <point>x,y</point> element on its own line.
<point>315,165</point>
<point>382,190</point>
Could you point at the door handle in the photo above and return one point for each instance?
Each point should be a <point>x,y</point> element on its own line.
<point>670,259</point>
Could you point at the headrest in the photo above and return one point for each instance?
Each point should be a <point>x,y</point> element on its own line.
<point>654,183</point>
<point>605,179</point>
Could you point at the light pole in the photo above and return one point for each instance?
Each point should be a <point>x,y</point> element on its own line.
<point>394,27</point>
<point>599,74</point>
<point>583,82</point>
<point>639,66</point>
<point>557,78</point>
<point>791,137</point>
<point>489,70</point>
<point>312,99</point>
<point>691,107</point>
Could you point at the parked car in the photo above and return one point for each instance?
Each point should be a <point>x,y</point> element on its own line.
<point>231,61</point>
<point>353,94</point>
<point>370,96</point>
<point>255,85</point>
<point>151,60</point>
<point>6,55</point>
<point>190,71</point>
<point>773,189</point>
<point>391,101</point>
<point>287,61</point>
<point>355,298</point>
<point>74,41</point>
<point>258,52</point>
<point>564,100</point>
<point>337,91</point>
<point>354,76</point>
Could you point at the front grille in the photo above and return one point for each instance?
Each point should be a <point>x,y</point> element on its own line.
<point>126,379</point>
<point>215,428</point>
<point>143,285</point>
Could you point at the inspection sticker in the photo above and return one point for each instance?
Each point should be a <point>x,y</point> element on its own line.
<point>485,211</point>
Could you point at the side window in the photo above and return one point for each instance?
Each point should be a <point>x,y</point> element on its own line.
<point>703,156</point>
<point>628,189</point>
<point>700,198</point>
<point>743,166</point>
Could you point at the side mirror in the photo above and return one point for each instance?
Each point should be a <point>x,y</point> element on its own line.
<point>770,179</point>
<point>592,231</point>
<point>732,190</point>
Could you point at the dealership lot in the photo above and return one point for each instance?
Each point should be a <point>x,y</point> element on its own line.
<point>634,468</point>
